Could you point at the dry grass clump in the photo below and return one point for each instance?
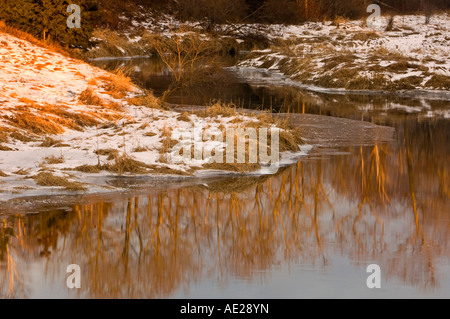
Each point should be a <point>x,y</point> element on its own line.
<point>185,117</point>
<point>377,82</point>
<point>118,84</point>
<point>144,126</point>
<point>35,123</point>
<point>167,170</point>
<point>339,78</point>
<point>81,119</point>
<point>5,148</point>
<point>334,61</point>
<point>50,119</point>
<point>20,137</point>
<point>112,106</point>
<point>54,160</point>
<point>218,109</point>
<point>140,149</point>
<point>4,135</point>
<point>289,141</point>
<point>92,169</point>
<point>403,66</point>
<point>126,164</point>
<point>148,100</point>
<point>3,174</point>
<point>150,134</point>
<point>365,36</point>
<point>439,82</point>
<point>408,83</point>
<point>89,97</point>
<point>49,142</point>
<point>48,179</point>
<point>22,172</point>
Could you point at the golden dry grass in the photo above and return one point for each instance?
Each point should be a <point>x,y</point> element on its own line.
<point>289,141</point>
<point>4,135</point>
<point>332,62</point>
<point>47,119</point>
<point>21,137</point>
<point>54,160</point>
<point>218,109</point>
<point>5,148</point>
<point>91,169</point>
<point>365,36</point>
<point>147,100</point>
<point>89,97</point>
<point>140,149</point>
<point>439,82</point>
<point>63,116</point>
<point>408,83</point>
<point>49,142</point>
<point>185,117</point>
<point>377,82</point>
<point>35,123</point>
<point>48,179</point>
<point>22,172</point>
<point>150,134</point>
<point>118,85</point>
<point>126,164</point>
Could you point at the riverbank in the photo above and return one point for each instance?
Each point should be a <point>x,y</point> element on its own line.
<point>404,55</point>
<point>63,121</point>
<point>410,56</point>
<point>327,134</point>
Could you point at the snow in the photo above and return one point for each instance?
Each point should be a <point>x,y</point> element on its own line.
<point>426,46</point>
<point>32,77</point>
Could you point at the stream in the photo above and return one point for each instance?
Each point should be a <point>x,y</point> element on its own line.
<point>361,197</point>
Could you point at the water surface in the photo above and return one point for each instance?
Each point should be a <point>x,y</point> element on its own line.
<point>309,231</point>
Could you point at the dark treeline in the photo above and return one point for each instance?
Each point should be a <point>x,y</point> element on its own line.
<point>46,19</point>
<point>286,11</point>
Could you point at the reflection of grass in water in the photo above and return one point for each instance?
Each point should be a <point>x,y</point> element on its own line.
<point>9,275</point>
<point>150,246</point>
<point>238,184</point>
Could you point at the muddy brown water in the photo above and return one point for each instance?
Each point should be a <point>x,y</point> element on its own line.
<point>364,195</point>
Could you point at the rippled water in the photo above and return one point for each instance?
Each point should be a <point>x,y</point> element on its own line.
<point>309,231</point>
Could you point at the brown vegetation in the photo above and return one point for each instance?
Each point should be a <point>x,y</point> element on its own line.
<point>147,100</point>
<point>48,179</point>
<point>118,85</point>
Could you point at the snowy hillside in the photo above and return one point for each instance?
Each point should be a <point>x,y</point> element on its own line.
<point>63,120</point>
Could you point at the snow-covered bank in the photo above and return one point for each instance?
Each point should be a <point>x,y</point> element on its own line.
<point>351,56</point>
<point>346,55</point>
<point>63,123</point>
